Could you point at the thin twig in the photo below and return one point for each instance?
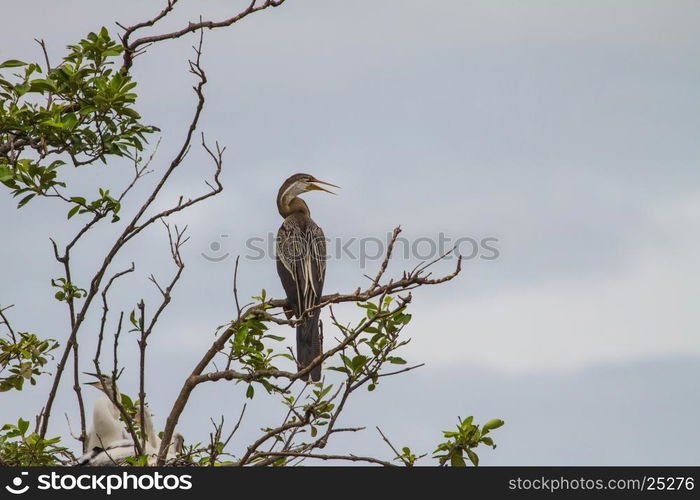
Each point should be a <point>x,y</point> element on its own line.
<point>386,440</point>
<point>6,322</point>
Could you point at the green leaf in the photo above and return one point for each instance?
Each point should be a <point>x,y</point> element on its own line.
<point>53,123</point>
<point>488,441</point>
<point>70,120</point>
<point>456,459</point>
<point>250,392</point>
<point>25,200</point>
<point>396,360</point>
<point>132,318</point>
<point>41,85</point>
<point>73,211</point>
<point>324,392</point>
<point>22,425</point>
<point>5,173</point>
<point>473,457</point>
<point>338,369</point>
<point>12,63</point>
<point>358,362</point>
<point>127,401</point>
<point>492,424</point>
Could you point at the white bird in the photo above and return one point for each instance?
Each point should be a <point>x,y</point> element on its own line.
<point>106,429</point>
<point>108,442</point>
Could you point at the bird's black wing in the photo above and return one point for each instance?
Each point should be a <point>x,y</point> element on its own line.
<point>288,250</point>
<point>301,261</point>
<point>301,265</point>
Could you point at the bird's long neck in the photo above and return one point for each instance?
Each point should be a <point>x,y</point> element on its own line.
<point>288,206</point>
<point>104,406</point>
<point>110,392</point>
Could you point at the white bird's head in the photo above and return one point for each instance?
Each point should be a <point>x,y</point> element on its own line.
<point>104,383</point>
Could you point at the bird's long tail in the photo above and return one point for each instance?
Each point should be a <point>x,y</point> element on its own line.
<point>309,345</point>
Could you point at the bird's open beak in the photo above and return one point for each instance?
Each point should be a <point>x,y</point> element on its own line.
<point>96,383</point>
<point>314,186</point>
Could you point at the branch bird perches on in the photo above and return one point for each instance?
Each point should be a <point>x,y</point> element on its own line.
<point>419,276</point>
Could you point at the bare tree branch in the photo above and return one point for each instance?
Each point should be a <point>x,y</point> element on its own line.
<point>132,49</point>
<point>6,322</point>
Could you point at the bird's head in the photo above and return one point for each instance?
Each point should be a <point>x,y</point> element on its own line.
<point>302,183</point>
<point>103,382</point>
<point>178,443</point>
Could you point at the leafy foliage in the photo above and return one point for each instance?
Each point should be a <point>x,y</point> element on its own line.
<point>67,291</point>
<point>82,110</point>
<point>24,359</point>
<point>378,339</point>
<point>463,440</point>
<point>212,454</point>
<point>17,448</point>
<point>408,457</point>
<point>248,351</point>
<point>102,206</point>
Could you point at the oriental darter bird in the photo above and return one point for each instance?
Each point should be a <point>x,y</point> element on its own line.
<point>301,264</point>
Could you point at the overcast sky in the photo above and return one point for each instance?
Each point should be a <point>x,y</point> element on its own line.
<point>568,130</point>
